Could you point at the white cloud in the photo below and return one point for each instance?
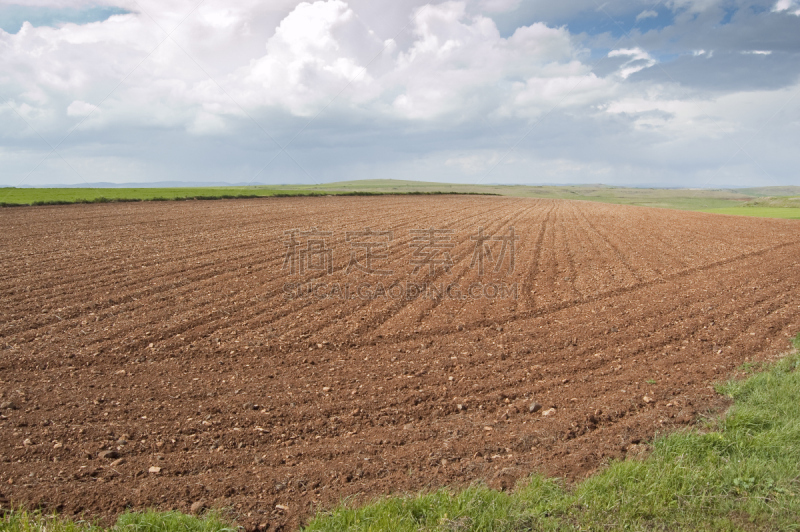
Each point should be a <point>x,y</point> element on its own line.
<point>646,14</point>
<point>317,50</point>
<point>456,65</point>
<point>581,90</point>
<point>639,60</point>
<point>792,6</point>
<point>459,66</point>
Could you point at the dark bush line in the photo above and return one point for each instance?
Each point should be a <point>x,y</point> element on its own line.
<point>96,200</point>
<point>103,199</point>
<point>366,193</point>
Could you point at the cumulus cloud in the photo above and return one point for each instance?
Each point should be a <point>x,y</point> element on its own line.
<point>457,65</point>
<point>460,65</point>
<point>317,50</point>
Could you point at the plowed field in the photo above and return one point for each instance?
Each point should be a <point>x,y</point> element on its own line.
<point>211,354</point>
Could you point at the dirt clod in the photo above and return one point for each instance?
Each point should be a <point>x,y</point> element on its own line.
<point>198,507</point>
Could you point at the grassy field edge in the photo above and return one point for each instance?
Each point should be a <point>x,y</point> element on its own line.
<point>123,195</point>
<point>773,202</point>
<point>744,202</point>
<point>736,472</point>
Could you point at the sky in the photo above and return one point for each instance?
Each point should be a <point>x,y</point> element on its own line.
<point>677,93</point>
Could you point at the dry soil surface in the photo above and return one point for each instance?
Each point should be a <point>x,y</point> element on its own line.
<point>275,356</point>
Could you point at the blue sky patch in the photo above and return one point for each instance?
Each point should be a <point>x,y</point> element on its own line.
<point>12,16</point>
<point>591,22</point>
<point>598,22</point>
<point>728,17</point>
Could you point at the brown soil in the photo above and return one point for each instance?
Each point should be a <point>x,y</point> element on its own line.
<point>163,332</point>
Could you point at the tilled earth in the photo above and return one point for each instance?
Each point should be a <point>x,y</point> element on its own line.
<point>190,354</point>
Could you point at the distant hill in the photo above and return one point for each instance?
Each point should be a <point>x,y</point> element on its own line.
<point>771,191</point>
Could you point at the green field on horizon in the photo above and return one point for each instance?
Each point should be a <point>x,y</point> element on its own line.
<point>791,213</point>
<point>31,196</point>
<point>774,202</point>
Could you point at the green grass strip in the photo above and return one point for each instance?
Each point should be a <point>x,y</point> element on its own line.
<point>791,213</point>
<point>18,197</point>
<point>150,521</point>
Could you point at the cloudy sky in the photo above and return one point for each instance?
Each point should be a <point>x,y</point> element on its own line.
<point>701,93</point>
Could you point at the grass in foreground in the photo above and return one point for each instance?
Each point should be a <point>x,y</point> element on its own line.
<point>741,472</point>
<point>24,521</point>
